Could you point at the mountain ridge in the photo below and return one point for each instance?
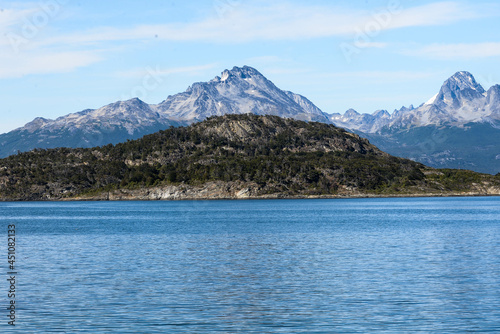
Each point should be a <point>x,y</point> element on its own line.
<point>461,103</point>
<point>240,90</point>
<point>460,100</point>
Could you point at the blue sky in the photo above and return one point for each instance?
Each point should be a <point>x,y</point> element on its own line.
<point>63,56</point>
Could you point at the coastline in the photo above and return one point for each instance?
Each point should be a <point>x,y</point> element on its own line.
<point>251,191</point>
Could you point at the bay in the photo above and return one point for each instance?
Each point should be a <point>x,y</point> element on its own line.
<point>402,265</point>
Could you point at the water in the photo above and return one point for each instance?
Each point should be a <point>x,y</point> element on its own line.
<point>268,266</point>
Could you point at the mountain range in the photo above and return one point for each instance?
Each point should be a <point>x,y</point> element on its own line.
<point>458,128</point>
<point>460,101</point>
<point>238,91</point>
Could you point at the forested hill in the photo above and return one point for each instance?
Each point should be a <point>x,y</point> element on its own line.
<point>230,157</point>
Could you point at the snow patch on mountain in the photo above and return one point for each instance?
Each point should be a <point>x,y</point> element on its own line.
<point>238,91</point>
<point>431,100</point>
<point>460,100</point>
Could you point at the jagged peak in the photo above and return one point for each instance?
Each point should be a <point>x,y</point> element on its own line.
<point>463,80</point>
<point>493,94</point>
<point>381,113</point>
<point>236,73</point>
<point>244,72</point>
<point>494,88</point>
<point>351,113</point>
<point>404,108</point>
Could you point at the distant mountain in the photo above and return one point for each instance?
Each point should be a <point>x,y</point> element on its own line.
<point>459,127</point>
<point>231,156</point>
<point>461,100</point>
<point>237,91</point>
<point>113,123</point>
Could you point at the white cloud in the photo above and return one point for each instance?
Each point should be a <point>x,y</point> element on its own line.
<point>14,66</point>
<point>433,14</point>
<point>462,51</point>
<point>10,17</point>
<point>381,76</point>
<point>272,22</point>
<point>283,21</point>
<point>23,49</point>
<point>158,71</point>
<point>54,51</point>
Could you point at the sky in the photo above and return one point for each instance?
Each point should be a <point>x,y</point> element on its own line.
<point>63,56</point>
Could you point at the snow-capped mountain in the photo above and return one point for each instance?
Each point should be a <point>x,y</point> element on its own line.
<point>461,100</point>
<point>458,127</point>
<point>113,123</point>
<point>353,120</point>
<point>131,115</point>
<point>236,91</point>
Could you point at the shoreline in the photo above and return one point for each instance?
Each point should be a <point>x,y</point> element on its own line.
<point>219,190</point>
<point>263,197</point>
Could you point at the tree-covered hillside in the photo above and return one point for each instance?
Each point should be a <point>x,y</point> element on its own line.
<point>275,155</point>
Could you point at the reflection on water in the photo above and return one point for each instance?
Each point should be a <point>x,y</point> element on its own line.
<point>270,266</point>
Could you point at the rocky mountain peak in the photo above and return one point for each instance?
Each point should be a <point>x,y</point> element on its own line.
<point>381,113</point>
<point>458,90</point>
<point>245,72</point>
<point>351,113</point>
<point>238,91</point>
<point>493,94</point>
<point>460,100</point>
<point>238,73</point>
<point>132,103</point>
<point>36,124</point>
<point>403,108</point>
<point>463,80</point>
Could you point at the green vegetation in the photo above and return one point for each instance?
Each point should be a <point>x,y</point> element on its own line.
<point>279,155</point>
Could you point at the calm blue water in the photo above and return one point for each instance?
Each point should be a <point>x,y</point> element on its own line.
<point>266,266</point>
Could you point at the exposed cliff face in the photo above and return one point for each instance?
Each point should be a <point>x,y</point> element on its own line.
<point>239,190</point>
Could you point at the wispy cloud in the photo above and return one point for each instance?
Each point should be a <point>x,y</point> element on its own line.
<point>439,13</point>
<point>15,66</point>
<point>10,17</point>
<point>57,51</point>
<point>282,21</point>
<point>24,47</point>
<point>380,76</point>
<point>462,51</point>
<point>159,71</point>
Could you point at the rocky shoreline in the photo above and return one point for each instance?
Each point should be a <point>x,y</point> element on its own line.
<point>239,191</point>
